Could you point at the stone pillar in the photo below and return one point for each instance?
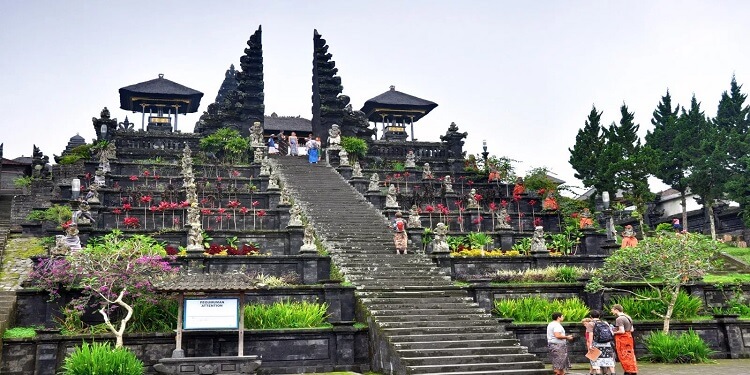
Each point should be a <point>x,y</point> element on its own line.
<point>376,199</point>
<point>505,238</point>
<point>309,274</point>
<point>729,326</point>
<point>47,351</point>
<point>296,235</point>
<point>592,242</point>
<point>415,238</point>
<point>359,183</point>
<point>345,171</point>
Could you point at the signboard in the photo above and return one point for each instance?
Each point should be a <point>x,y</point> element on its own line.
<point>211,313</point>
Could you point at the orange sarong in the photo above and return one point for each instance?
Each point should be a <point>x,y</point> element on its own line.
<point>626,352</point>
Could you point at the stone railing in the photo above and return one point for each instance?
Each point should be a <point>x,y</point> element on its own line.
<point>139,145</point>
<point>435,153</point>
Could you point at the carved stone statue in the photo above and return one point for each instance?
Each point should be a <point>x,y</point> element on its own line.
<point>414,220</point>
<point>357,170</point>
<point>411,161</point>
<point>99,179</point>
<point>273,181</point>
<point>265,167</point>
<point>295,216</point>
<point>628,237</point>
<point>538,245</point>
<point>258,154</point>
<point>61,247</point>
<point>390,199</point>
<point>71,237</point>
<point>334,137</point>
<point>343,158</point>
<point>427,172</point>
<point>448,183</point>
<point>83,215</point>
<point>105,155</point>
<point>585,221</point>
<point>195,231</point>
<point>374,183</point>
<point>440,242</point>
<point>256,135</point>
<point>93,194</point>
<point>471,201</point>
<point>308,241</point>
<point>519,188</point>
<point>284,200</point>
<point>501,219</point>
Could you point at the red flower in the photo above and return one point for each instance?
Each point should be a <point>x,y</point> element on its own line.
<point>507,219</point>
<point>406,174</point>
<point>516,197</point>
<point>163,206</point>
<point>156,176</point>
<point>261,213</point>
<point>477,197</point>
<point>131,222</point>
<point>204,201</point>
<point>184,204</point>
<point>67,224</point>
<point>244,210</point>
<point>146,173</point>
<point>154,208</point>
<point>146,199</point>
<point>470,182</point>
<point>397,176</point>
<point>429,208</point>
<point>174,205</point>
<point>206,211</point>
<point>176,221</point>
<point>504,203</point>
<point>222,210</point>
<point>574,215</point>
<point>477,221</point>
<point>493,206</point>
<point>117,211</point>
<point>255,203</point>
<point>87,175</point>
<point>537,221</point>
<point>235,173</point>
<point>233,204</point>
<point>532,203</point>
<point>541,191</point>
<point>133,178</point>
<point>217,218</point>
<point>218,179</point>
<point>127,206</point>
<point>171,250</point>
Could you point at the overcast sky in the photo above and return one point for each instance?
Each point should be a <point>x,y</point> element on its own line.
<point>521,76</point>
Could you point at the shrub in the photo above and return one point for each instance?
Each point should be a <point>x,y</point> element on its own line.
<point>538,309</point>
<point>687,347</point>
<point>562,274</point>
<point>57,214</point>
<point>286,314</point>
<point>686,307</point>
<point>98,358</point>
<point>22,182</point>
<point>356,147</point>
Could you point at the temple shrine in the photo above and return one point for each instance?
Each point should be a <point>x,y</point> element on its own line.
<point>161,99</point>
<point>394,111</point>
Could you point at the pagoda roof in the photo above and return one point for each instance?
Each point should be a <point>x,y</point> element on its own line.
<point>159,92</point>
<point>287,123</point>
<point>397,102</point>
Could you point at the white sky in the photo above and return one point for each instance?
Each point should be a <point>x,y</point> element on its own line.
<point>522,76</point>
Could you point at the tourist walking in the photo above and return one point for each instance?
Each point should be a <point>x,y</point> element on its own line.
<point>557,344</point>
<point>293,144</point>
<point>624,340</point>
<point>399,237</point>
<point>313,148</point>
<point>272,145</point>
<point>599,338</point>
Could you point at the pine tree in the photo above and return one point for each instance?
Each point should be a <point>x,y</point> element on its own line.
<point>587,150</point>
<point>669,141</point>
<point>732,120</point>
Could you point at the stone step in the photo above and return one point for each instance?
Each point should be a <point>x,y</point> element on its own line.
<point>397,300</point>
<point>463,351</point>
<point>412,293</point>
<point>437,323</point>
<point>441,312</point>
<point>408,331</point>
<point>428,318</point>
<point>467,359</point>
<point>451,345</point>
<point>437,337</point>
<point>540,371</point>
<point>472,368</point>
<point>424,306</point>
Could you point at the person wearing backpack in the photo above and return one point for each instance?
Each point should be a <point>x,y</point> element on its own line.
<point>624,340</point>
<point>399,237</point>
<point>599,335</point>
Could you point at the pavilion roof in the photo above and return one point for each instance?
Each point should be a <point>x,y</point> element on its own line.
<point>287,123</point>
<point>159,91</point>
<point>200,282</point>
<point>397,102</point>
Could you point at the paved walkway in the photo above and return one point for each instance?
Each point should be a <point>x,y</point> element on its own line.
<point>721,367</point>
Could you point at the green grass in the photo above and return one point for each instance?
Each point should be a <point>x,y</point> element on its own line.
<point>687,307</point>
<point>97,358</point>
<point>20,333</point>
<point>727,279</point>
<point>687,347</point>
<point>537,309</point>
<point>742,253</point>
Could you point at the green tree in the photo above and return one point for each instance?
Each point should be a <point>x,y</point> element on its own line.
<point>733,120</point>
<point>670,141</point>
<point>665,262</point>
<point>707,175</point>
<point>587,151</point>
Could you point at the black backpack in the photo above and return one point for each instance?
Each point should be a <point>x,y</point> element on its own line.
<point>602,332</point>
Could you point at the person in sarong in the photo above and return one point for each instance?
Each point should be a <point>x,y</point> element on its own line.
<point>293,144</point>
<point>605,364</point>
<point>399,237</point>
<point>557,344</point>
<point>312,149</point>
<point>624,340</point>
<point>628,237</point>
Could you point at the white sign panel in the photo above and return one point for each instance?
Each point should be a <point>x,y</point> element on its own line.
<point>211,313</point>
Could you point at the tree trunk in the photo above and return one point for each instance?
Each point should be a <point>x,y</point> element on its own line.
<point>670,309</point>
<point>683,202</point>
<point>710,208</point>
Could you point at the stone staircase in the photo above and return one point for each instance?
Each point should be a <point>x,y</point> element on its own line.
<point>420,323</point>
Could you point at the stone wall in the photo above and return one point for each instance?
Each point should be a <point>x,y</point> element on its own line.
<point>341,348</point>
<point>41,192</point>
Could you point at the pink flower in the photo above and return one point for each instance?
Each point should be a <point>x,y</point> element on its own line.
<point>244,210</point>
<point>504,203</point>
<point>206,211</point>
<point>117,211</point>
<point>493,206</point>
<point>235,173</point>
<point>146,173</point>
<point>218,179</point>
<point>261,213</point>
<point>537,221</point>
<point>133,178</point>
<point>255,203</point>
<point>532,202</point>
<point>429,209</point>
<point>184,204</point>
<point>154,208</point>
<point>176,221</point>
<point>222,210</point>
<point>233,204</point>
<point>127,206</point>
<point>478,197</point>
<point>146,199</point>
<point>477,220</point>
